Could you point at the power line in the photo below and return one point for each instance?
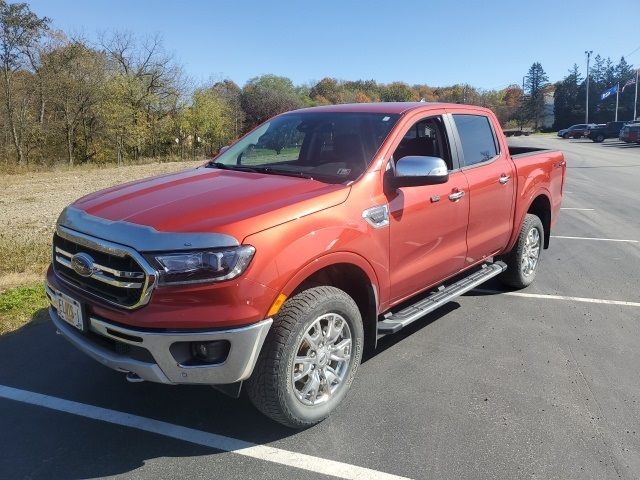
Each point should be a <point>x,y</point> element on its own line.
<point>634,51</point>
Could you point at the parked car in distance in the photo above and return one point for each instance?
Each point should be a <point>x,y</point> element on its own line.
<point>601,132</point>
<point>275,265</point>
<point>629,133</point>
<point>575,131</point>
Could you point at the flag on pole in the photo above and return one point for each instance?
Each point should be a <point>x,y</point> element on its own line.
<point>610,91</point>
<point>630,82</point>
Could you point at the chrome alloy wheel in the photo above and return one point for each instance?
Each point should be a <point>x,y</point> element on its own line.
<point>322,359</point>
<point>531,252</point>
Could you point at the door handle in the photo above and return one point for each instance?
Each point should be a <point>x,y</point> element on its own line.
<point>455,196</point>
<point>504,178</point>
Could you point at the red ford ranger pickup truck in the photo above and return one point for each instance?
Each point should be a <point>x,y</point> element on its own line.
<point>275,264</point>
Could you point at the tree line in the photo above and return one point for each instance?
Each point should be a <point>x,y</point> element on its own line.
<point>123,98</point>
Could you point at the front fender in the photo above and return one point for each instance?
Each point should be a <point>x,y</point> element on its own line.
<point>288,254</point>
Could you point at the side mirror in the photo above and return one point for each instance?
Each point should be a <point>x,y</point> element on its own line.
<point>413,171</point>
<point>223,149</point>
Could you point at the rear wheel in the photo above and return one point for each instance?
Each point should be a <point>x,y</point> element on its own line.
<point>599,138</point>
<point>522,261</point>
<point>309,358</point>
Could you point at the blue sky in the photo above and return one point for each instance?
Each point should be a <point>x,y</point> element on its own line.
<point>488,44</point>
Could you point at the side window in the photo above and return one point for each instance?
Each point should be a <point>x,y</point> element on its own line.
<point>476,135</point>
<point>427,137</point>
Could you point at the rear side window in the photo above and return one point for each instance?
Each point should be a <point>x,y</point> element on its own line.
<point>476,135</point>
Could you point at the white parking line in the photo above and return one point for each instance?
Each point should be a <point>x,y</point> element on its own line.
<point>560,297</point>
<point>598,239</point>
<point>199,437</point>
<point>579,209</point>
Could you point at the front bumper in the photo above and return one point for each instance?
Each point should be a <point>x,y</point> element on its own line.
<point>160,365</point>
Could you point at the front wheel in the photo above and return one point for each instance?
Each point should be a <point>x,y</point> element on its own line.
<point>522,261</point>
<point>599,138</point>
<point>309,358</point>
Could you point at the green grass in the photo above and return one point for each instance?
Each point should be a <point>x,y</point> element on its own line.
<point>20,305</point>
<point>261,156</point>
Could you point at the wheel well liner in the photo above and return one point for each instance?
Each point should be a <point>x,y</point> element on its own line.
<point>541,207</point>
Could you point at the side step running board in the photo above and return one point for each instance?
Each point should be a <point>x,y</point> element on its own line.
<point>410,314</point>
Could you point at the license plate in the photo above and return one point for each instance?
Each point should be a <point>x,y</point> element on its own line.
<point>69,310</point>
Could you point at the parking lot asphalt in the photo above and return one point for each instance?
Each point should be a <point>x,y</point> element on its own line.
<point>493,385</point>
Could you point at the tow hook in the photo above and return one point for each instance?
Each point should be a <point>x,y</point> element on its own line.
<point>133,378</point>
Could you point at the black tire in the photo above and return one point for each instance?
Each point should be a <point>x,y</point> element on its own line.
<point>270,387</point>
<point>599,138</point>
<point>565,136</point>
<point>514,276</point>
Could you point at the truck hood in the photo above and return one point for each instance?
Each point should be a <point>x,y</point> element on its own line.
<point>212,200</point>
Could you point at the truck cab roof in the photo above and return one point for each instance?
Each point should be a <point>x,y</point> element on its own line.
<point>397,108</point>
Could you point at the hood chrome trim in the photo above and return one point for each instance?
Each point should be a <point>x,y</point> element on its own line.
<point>140,237</point>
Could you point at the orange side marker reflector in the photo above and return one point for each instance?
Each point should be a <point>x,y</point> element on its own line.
<point>275,307</point>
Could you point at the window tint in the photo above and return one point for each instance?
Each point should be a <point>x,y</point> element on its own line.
<point>426,137</point>
<point>329,146</point>
<point>478,142</point>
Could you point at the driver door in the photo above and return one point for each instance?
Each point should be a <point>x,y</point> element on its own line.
<point>428,224</point>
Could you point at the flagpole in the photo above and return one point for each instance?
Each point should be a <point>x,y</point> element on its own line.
<point>617,95</point>
<point>635,102</point>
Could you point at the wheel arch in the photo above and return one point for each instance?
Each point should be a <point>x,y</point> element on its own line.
<point>541,207</point>
<point>350,273</point>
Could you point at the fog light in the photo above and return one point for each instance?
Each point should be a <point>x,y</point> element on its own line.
<point>210,352</point>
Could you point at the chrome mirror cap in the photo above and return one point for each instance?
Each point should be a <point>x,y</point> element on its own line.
<point>420,170</point>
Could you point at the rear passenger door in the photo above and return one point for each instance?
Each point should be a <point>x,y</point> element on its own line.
<point>490,175</point>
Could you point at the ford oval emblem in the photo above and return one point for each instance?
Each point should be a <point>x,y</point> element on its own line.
<point>82,264</point>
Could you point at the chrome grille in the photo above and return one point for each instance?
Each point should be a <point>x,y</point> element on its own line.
<point>118,274</point>
<point>103,274</point>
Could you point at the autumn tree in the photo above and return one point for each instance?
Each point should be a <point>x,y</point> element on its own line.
<point>266,96</point>
<point>208,121</point>
<point>145,88</point>
<point>230,93</point>
<point>73,78</point>
<point>397,92</point>
<point>20,32</point>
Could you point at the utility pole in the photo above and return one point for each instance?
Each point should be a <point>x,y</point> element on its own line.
<point>522,101</point>
<point>635,101</point>
<point>586,110</point>
<point>617,96</point>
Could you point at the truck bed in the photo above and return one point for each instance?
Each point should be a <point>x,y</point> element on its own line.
<point>516,152</point>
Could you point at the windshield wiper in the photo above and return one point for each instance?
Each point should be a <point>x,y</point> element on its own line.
<point>224,166</point>
<point>277,171</point>
<point>267,170</point>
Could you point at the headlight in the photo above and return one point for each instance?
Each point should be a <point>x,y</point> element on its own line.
<point>203,266</point>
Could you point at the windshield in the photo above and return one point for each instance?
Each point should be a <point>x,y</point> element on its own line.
<point>327,146</point>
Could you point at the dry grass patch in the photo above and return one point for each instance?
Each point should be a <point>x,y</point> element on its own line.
<point>29,207</point>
